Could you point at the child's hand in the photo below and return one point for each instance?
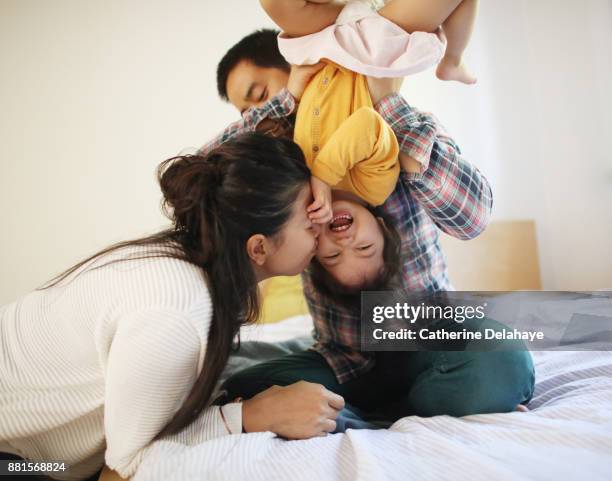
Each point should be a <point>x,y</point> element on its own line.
<point>320,211</point>
<point>300,76</point>
<point>381,87</point>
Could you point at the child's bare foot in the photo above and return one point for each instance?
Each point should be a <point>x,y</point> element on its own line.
<point>451,69</point>
<point>521,408</point>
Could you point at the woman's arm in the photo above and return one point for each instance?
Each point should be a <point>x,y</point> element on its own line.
<point>299,411</point>
<point>152,366</point>
<point>300,17</point>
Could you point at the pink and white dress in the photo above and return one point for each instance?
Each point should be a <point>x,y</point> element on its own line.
<point>367,43</point>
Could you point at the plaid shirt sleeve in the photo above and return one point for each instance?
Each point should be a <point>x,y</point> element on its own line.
<point>279,107</point>
<point>453,192</point>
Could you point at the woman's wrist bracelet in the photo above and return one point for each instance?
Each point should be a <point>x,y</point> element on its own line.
<point>229,431</point>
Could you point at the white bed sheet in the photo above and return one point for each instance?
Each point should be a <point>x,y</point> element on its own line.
<point>567,435</point>
<point>297,326</point>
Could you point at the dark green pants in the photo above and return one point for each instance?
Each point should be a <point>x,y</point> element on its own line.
<point>426,383</point>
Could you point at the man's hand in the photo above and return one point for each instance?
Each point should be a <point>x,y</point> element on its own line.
<point>300,76</point>
<point>381,87</point>
<point>320,211</point>
<point>299,411</point>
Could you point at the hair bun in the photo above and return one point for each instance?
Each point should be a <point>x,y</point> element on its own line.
<point>186,181</point>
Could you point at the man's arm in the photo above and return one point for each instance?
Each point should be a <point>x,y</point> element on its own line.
<point>452,191</point>
<point>279,108</point>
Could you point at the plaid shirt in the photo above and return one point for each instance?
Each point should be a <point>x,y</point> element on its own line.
<point>279,108</point>
<point>449,194</point>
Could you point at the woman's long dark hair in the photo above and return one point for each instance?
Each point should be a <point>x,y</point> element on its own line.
<point>216,202</point>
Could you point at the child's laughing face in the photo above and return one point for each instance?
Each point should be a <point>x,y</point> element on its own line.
<point>351,245</point>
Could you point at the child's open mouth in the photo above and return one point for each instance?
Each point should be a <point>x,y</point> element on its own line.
<point>341,222</point>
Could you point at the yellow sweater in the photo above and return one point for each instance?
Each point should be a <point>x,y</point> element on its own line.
<point>347,144</point>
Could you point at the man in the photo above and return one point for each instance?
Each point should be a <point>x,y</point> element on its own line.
<point>445,193</point>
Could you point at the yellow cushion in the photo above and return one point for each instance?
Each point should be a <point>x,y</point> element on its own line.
<point>282,298</point>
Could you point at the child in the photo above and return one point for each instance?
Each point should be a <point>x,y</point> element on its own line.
<point>337,103</point>
<point>346,143</point>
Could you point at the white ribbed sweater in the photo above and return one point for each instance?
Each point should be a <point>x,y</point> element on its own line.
<point>91,370</point>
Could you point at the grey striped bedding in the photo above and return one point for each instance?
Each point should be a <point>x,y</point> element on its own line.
<point>567,435</point>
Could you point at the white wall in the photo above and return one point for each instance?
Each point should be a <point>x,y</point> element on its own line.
<point>94,94</point>
<point>538,124</point>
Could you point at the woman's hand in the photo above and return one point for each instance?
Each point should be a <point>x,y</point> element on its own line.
<point>320,211</point>
<point>300,76</point>
<point>381,87</point>
<point>299,411</point>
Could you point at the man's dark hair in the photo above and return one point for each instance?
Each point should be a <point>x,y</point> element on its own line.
<point>260,48</point>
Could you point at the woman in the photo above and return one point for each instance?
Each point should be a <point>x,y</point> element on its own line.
<point>127,346</point>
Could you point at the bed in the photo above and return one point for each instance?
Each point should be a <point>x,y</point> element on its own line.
<point>567,435</point>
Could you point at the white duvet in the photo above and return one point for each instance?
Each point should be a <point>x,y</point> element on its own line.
<point>566,436</point>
